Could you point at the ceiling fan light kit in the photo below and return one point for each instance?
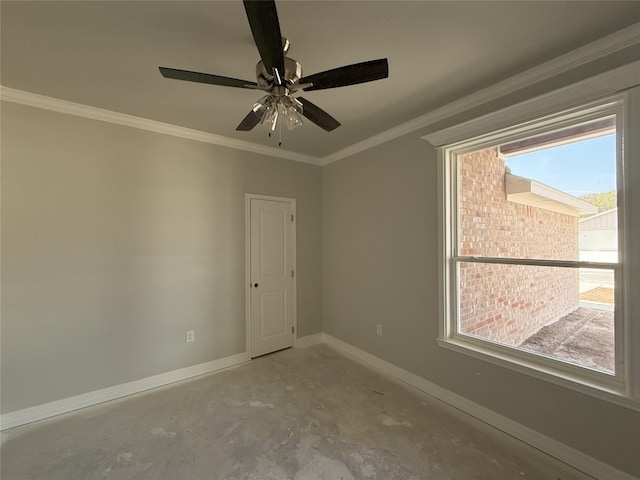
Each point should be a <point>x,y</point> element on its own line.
<point>281,77</point>
<point>270,108</point>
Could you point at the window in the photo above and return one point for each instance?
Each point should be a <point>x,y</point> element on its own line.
<point>526,209</point>
<point>536,271</point>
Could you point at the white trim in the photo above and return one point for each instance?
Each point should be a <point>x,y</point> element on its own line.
<point>309,340</point>
<point>628,244</point>
<point>598,49</point>
<point>247,263</point>
<point>86,111</point>
<point>384,137</point>
<point>558,450</point>
<point>247,271</point>
<point>66,405</point>
<point>294,265</point>
<point>621,389</point>
<point>545,369</point>
<point>548,445</point>
<point>601,85</point>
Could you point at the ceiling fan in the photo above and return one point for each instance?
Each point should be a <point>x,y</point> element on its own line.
<point>280,76</point>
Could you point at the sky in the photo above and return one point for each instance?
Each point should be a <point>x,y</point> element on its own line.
<point>577,168</point>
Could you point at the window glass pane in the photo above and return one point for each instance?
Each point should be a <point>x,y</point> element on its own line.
<point>548,197</point>
<point>563,313</point>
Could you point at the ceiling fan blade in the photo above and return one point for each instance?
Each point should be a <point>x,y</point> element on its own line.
<point>263,20</point>
<point>248,122</point>
<point>318,116</point>
<point>205,78</point>
<point>348,75</point>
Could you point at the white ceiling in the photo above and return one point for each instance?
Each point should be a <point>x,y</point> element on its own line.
<point>106,55</point>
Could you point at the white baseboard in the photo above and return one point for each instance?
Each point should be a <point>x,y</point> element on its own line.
<point>560,451</point>
<point>66,405</point>
<point>309,340</point>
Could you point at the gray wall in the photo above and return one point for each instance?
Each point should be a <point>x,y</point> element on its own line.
<point>380,262</point>
<point>115,241</point>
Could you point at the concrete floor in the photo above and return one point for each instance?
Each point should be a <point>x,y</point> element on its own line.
<point>302,414</point>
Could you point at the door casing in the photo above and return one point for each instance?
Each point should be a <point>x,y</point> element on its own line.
<point>247,261</point>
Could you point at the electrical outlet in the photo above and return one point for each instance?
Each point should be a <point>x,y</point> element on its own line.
<point>379,330</point>
<point>191,336</point>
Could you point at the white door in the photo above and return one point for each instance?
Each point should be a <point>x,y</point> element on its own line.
<point>272,288</point>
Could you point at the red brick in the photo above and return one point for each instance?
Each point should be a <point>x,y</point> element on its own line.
<point>514,300</point>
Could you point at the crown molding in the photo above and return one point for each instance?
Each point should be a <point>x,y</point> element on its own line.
<point>598,86</point>
<point>71,108</point>
<point>600,48</point>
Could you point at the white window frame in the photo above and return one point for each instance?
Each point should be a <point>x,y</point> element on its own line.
<point>612,92</point>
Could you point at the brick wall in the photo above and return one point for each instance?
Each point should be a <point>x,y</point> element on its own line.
<point>509,303</point>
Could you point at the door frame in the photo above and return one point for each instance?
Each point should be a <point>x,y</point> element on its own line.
<point>247,263</point>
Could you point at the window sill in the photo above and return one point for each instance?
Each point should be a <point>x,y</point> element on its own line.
<point>610,393</point>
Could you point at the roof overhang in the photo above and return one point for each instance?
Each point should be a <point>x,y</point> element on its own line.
<point>535,194</point>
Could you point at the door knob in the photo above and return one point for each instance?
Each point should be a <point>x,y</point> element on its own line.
<point>255,285</point>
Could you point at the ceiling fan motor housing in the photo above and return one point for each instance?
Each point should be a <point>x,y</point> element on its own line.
<point>292,74</point>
